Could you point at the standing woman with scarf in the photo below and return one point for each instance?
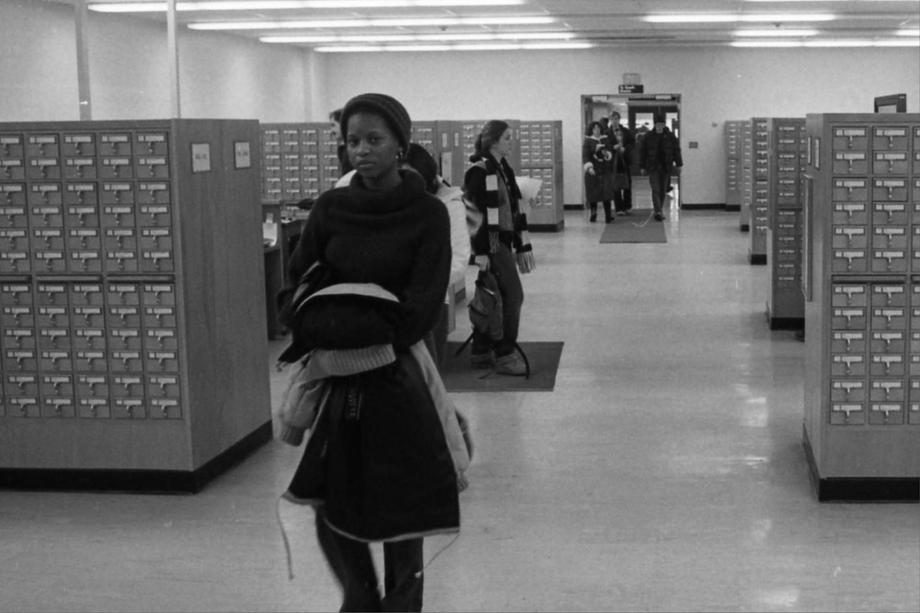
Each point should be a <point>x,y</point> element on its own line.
<point>501,245</point>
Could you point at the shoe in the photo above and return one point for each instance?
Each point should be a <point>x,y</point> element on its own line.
<point>482,360</point>
<point>608,220</point>
<point>659,217</point>
<point>593,217</point>
<point>510,364</point>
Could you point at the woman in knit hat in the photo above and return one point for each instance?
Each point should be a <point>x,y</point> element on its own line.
<point>501,245</point>
<point>387,473</point>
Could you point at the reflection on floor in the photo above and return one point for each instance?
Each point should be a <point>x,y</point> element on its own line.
<point>664,473</point>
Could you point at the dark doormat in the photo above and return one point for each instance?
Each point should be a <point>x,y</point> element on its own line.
<point>632,230</point>
<point>544,357</point>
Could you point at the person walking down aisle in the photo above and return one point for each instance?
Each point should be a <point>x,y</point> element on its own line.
<point>621,136</point>
<point>621,178</point>
<point>490,185</point>
<point>386,474</point>
<point>659,153</point>
<point>598,168</point>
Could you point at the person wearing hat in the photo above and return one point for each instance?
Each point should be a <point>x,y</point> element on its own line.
<point>659,156</point>
<point>386,473</point>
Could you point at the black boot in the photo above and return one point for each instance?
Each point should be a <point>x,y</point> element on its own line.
<point>593,208</point>
<point>608,215</point>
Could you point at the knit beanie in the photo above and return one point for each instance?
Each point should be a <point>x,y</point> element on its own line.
<point>389,108</point>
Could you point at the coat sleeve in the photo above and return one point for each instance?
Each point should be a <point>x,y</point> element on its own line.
<point>427,284</point>
<point>474,187</point>
<point>459,238</point>
<point>310,245</point>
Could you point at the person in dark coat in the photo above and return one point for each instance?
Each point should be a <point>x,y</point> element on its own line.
<point>387,474</point>
<point>598,169</point>
<point>659,156</point>
<point>621,138</point>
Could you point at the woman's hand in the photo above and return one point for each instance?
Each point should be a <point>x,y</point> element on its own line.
<point>526,262</point>
<point>483,262</point>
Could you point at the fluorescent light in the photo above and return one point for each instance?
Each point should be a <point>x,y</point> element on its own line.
<point>897,43</point>
<point>275,5</point>
<point>454,47</point>
<point>810,1</point>
<point>428,38</point>
<point>777,33</point>
<point>828,43</point>
<point>909,32</point>
<point>369,23</point>
<point>731,18</point>
<point>766,43</point>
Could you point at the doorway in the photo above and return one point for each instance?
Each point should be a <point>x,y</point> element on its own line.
<point>636,113</point>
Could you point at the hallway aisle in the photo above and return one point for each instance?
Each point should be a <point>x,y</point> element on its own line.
<point>664,473</point>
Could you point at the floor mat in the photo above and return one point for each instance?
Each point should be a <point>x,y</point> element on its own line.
<point>544,361</point>
<point>634,229</point>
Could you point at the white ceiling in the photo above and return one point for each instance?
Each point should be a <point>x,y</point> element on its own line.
<point>601,22</point>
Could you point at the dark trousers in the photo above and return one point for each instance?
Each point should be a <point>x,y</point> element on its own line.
<point>658,180</point>
<point>622,200</point>
<point>353,566</point>
<point>503,265</point>
<point>607,213</point>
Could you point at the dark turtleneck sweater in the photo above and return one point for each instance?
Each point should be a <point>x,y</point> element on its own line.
<point>397,238</point>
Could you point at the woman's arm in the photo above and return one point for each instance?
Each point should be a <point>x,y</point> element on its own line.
<point>309,246</point>
<point>427,285</point>
<point>474,187</point>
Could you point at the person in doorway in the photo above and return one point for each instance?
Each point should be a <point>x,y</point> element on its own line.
<point>386,473</point>
<point>621,178</point>
<point>659,156</point>
<point>502,243</point>
<point>622,140</point>
<point>598,170</point>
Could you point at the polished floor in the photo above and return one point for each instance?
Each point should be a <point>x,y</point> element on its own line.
<point>664,473</point>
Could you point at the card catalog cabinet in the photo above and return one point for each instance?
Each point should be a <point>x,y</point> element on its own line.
<point>756,187</point>
<point>786,159</point>
<point>734,147</point>
<point>541,158</point>
<point>299,160</point>
<point>861,278</point>
<point>747,185</point>
<point>132,310</point>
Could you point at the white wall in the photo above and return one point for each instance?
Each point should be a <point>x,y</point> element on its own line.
<point>716,85</point>
<point>226,76</point>
<point>220,75</point>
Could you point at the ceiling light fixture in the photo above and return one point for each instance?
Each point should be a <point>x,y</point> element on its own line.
<point>455,47</point>
<point>370,23</point>
<point>776,33</point>
<point>280,5</point>
<point>428,38</point>
<point>828,43</point>
<point>733,18</point>
<point>915,32</point>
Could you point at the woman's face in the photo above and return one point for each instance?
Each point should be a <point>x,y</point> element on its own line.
<point>503,146</point>
<point>596,130</point>
<point>373,149</point>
